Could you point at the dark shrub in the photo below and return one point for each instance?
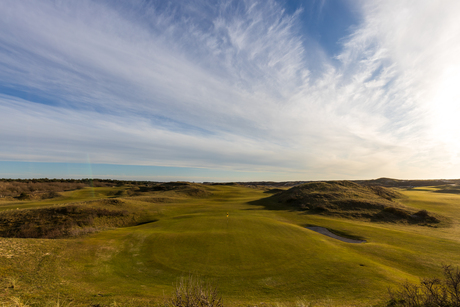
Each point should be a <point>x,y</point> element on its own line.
<point>23,196</point>
<point>432,292</point>
<point>422,213</point>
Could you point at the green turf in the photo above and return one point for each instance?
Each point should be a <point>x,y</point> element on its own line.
<point>254,256</point>
<point>85,194</point>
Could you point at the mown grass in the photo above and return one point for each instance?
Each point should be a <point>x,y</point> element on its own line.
<point>254,256</point>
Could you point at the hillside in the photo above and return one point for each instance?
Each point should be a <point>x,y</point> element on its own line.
<point>408,183</point>
<point>69,220</point>
<point>350,199</point>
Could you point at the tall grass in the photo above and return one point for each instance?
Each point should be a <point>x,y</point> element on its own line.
<point>192,292</point>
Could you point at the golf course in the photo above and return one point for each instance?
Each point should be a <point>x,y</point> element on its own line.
<point>130,244</point>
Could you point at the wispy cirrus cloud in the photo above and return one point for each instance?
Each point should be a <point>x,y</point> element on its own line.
<point>413,49</point>
<point>233,85</point>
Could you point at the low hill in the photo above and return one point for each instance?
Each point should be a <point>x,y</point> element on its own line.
<point>350,199</point>
<point>68,220</point>
<point>402,183</point>
<point>183,187</point>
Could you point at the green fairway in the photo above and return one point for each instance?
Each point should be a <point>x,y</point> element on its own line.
<point>254,256</point>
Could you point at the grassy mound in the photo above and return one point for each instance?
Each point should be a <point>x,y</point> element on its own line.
<point>64,221</point>
<point>452,189</point>
<point>187,188</point>
<point>391,182</point>
<point>349,199</point>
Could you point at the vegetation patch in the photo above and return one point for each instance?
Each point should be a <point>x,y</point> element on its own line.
<point>187,188</point>
<point>192,292</point>
<point>350,199</point>
<point>152,199</point>
<point>451,188</point>
<point>391,182</point>
<point>36,189</point>
<point>44,188</point>
<point>274,191</point>
<point>63,221</point>
<point>430,292</point>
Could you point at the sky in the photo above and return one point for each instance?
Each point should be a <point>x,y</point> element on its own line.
<point>230,90</point>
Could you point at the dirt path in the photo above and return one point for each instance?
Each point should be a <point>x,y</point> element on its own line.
<point>326,232</point>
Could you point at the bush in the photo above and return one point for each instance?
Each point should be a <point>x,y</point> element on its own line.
<point>191,292</point>
<point>432,292</point>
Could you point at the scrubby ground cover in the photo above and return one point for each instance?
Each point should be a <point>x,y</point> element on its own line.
<point>349,199</point>
<point>431,291</point>
<point>255,249</point>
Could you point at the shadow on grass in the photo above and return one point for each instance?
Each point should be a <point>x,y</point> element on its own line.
<point>449,191</point>
<point>272,203</point>
<point>147,222</point>
<point>274,191</point>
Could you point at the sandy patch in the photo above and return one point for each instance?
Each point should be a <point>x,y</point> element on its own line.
<point>326,232</point>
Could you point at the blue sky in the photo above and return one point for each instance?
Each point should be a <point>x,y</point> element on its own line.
<point>229,90</point>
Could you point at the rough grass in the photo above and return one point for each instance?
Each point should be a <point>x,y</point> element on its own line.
<point>256,256</point>
<point>349,199</point>
<point>343,195</point>
<point>187,188</point>
<point>44,188</point>
<point>67,197</point>
<point>192,292</point>
<point>65,221</point>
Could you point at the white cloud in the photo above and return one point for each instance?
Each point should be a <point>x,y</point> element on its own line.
<point>229,86</point>
<point>419,42</point>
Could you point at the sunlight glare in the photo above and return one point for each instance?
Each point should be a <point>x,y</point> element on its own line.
<point>446,108</point>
